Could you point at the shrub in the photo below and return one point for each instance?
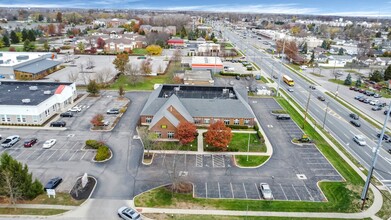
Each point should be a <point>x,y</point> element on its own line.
<point>103,153</point>
<point>94,144</point>
<point>239,126</point>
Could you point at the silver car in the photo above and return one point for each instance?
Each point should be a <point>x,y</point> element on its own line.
<point>266,191</point>
<point>128,213</point>
<point>10,141</point>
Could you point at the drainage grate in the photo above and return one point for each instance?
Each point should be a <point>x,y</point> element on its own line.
<point>301,176</point>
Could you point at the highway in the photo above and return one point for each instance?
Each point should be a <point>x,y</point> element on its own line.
<point>337,119</point>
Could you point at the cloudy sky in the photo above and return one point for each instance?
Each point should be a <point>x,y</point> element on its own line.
<point>373,8</point>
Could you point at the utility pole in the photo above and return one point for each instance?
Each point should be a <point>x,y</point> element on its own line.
<point>248,145</point>
<point>374,159</point>
<point>306,107</point>
<point>279,74</point>
<point>325,114</point>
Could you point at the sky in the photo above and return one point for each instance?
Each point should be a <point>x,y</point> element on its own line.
<point>371,8</point>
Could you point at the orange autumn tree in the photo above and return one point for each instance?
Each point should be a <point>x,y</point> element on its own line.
<point>186,132</point>
<point>218,135</point>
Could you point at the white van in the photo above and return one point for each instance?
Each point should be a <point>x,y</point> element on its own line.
<point>303,67</point>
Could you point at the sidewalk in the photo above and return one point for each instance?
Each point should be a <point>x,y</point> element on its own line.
<point>39,206</point>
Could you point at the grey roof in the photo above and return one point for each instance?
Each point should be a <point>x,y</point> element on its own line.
<point>37,67</point>
<point>12,92</point>
<point>201,107</point>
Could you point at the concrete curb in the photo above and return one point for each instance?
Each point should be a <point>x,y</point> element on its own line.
<point>253,167</point>
<point>103,161</point>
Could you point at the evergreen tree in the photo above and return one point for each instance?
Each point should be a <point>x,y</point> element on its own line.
<point>93,88</point>
<point>305,48</point>
<point>212,36</point>
<point>31,35</point>
<point>28,46</point>
<point>40,17</point>
<point>24,35</point>
<point>340,51</point>
<point>183,32</point>
<point>376,76</point>
<point>358,82</point>
<point>312,57</point>
<point>324,45</point>
<point>6,41</point>
<point>14,38</point>
<point>387,73</point>
<point>348,80</point>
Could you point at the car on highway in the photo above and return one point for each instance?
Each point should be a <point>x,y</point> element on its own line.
<point>359,139</point>
<point>113,111</point>
<point>67,114</point>
<point>321,98</point>
<point>10,141</point>
<point>58,124</point>
<point>385,137</point>
<point>75,109</point>
<point>49,143</point>
<point>53,183</point>
<point>376,108</point>
<point>312,87</point>
<point>290,90</point>
<point>355,123</point>
<point>30,142</point>
<point>354,116</point>
<point>128,213</point>
<point>266,191</point>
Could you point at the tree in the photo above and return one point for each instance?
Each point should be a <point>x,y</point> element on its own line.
<point>312,57</point>
<point>305,48</point>
<point>148,138</point>
<point>59,17</point>
<point>291,50</point>
<point>324,45</point>
<point>376,76</point>
<point>121,91</point>
<point>24,34</point>
<point>154,50</point>
<point>295,30</point>
<point>81,46</point>
<point>93,88</point>
<point>1,43</point>
<point>73,76</point>
<point>14,38</point>
<point>40,17</point>
<point>183,33</point>
<point>46,46</point>
<point>218,135</point>
<point>6,41</point>
<point>31,35</point>
<point>378,34</point>
<point>15,180</point>
<point>120,62</point>
<point>358,82</point>
<point>387,73</point>
<point>97,120</point>
<point>51,29</point>
<point>101,43</point>
<point>28,46</point>
<point>132,74</point>
<point>348,80</point>
<point>146,67</point>
<point>340,51</point>
<point>186,132</point>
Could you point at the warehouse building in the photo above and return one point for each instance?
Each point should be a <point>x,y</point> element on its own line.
<point>33,103</point>
<point>212,64</point>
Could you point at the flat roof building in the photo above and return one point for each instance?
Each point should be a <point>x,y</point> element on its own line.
<point>33,103</point>
<point>198,77</point>
<point>212,64</point>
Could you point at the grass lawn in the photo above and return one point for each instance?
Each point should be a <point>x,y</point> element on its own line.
<point>294,66</point>
<point>253,161</point>
<point>19,211</point>
<point>17,48</point>
<point>174,145</point>
<point>220,217</point>
<point>385,211</point>
<point>337,81</point>
<point>228,45</point>
<point>140,51</point>
<point>239,143</point>
<point>61,199</point>
<point>147,83</point>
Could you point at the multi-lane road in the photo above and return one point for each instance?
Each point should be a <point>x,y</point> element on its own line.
<point>337,119</point>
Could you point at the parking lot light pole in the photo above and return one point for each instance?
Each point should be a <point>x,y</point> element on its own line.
<point>325,114</point>
<point>248,145</point>
<point>374,159</point>
<point>279,74</point>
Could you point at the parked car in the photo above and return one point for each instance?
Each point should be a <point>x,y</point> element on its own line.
<point>66,114</point>
<point>237,77</point>
<point>113,111</point>
<point>377,95</point>
<point>75,109</point>
<point>381,104</point>
<point>283,117</point>
<point>58,124</point>
<point>53,183</point>
<point>321,98</point>
<point>128,213</point>
<point>361,90</point>
<point>354,116</point>
<point>359,139</point>
<point>358,97</point>
<point>352,88</point>
<point>361,99</point>
<point>376,108</point>
<point>49,143</point>
<point>374,102</point>
<point>266,191</point>
<point>385,112</point>
<point>367,101</point>
<point>355,123</point>
<point>356,89</point>
<point>30,142</point>
<point>389,151</point>
<point>10,141</point>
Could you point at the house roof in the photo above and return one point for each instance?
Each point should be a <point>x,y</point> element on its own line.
<point>38,66</point>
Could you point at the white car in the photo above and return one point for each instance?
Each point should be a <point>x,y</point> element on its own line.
<point>359,139</point>
<point>49,143</point>
<point>128,213</point>
<point>266,191</point>
<point>75,109</point>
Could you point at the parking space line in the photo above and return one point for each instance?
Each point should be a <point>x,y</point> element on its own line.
<point>74,145</point>
<point>73,155</point>
<point>232,191</point>
<point>52,154</point>
<point>206,189</point>
<point>84,155</point>
<point>317,163</point>
<point>164,158</point>
<point>296,191</point>
<point>245,192</point>
<point>20,154</point>
<point>256,188</point>
<point>62,155</point>
<point>218,185</point>
<point>312,198</point>
<point>41,154</point>
<point>286,198</point>
<point>31,155</point>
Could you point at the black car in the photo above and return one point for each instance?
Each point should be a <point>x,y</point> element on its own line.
<point>385,137</point>
<point>312,87</point>
<point>321,98</point>
<point>389,151</point>
<point>58,124</point>
<point>355,123</point>
<point>113,111</point>
<point>66,114</point>
<point>385,112</point>
<point>237,77</point>
<point>354,116</point>
<point>53,183</point>
<point>283,117</point>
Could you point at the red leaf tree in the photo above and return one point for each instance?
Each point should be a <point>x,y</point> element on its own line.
<point>101,43</point>
<point>186,132</point>
<point>218,135</point>
<point>97,120</point>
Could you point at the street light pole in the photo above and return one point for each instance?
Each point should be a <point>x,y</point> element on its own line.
<point>325,114</point>
<point>248,145</point>
<point>306,107</point>
<point>374,159</point>
<point>279,74</point>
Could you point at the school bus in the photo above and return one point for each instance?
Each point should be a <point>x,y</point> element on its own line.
<point>288,80</point>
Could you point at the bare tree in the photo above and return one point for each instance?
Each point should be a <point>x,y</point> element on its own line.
<point>148,138</point>
<point>160,69</point>
<point>103,76</point>
<point>145,67</point>
<point>177,56</point>
<point>81,67</point>
<point>90,64</point>
<point>133,74</point>
<point>73,76</point>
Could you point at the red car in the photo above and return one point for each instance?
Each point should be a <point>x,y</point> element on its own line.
<point>30,142</point>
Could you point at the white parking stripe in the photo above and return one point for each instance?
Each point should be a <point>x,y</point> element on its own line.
<point>31,155</point>
<point>245,192</point>
<point>312,198</point>
<point>256,187</point>
<point>62,155</point>
<point>42,154</point>
<point>206,189</point>
<point>218,185</point>
<point>296,192</point>
<point>286,198</point>
<point>73,155</point>
<point>232,190</point>
<point>52,154</point>
<point>84,155</point>
<point>20,154</point>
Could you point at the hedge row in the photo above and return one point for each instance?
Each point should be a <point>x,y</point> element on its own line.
<point>235,74</point>
<point>94,144</point>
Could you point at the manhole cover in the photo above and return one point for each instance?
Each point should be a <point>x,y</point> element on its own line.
<point>71,135</point>
<point>301,176</point>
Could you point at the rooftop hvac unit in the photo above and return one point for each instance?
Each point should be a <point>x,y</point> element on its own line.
<point>225,91</point>
<point>33,88</point>
<point>176,89</point>
<point>48,92</point>
<point>231,95</point>
<point>22,57</point>
<point>26,101</point>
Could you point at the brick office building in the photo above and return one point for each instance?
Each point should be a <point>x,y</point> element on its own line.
<point>168,105</point>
